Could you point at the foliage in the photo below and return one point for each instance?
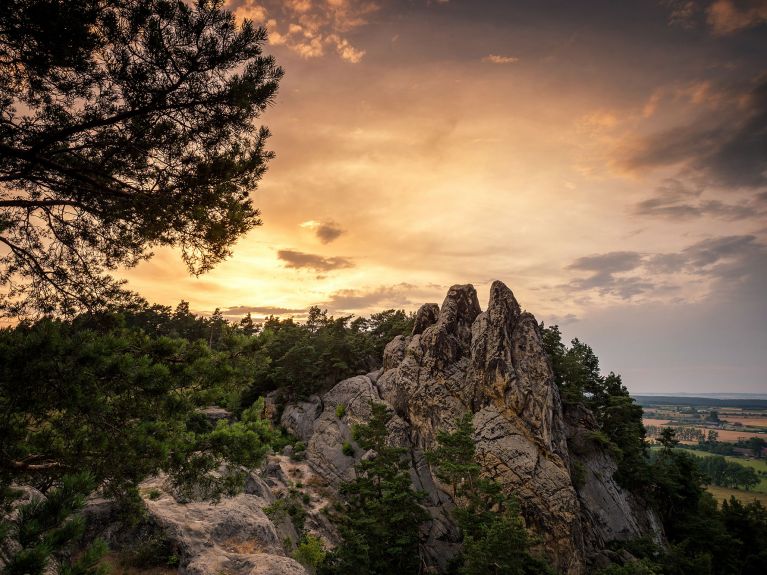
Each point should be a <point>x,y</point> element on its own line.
<point>125,125</point>
<point>151,550</point>
<point>640,567</point>
<point>290,507</point>
<point>379,514</point>
<point>310,552</point>
<point>719,471</point>
<point>340,410</point>
<point>701,540</point>
<point>312,357</point>
<point>619,417</point>
<point>118,390</point>
<point>51,524</point>
<point>495,538</point>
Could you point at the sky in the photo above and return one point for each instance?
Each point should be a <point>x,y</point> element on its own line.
<point>606,160</point>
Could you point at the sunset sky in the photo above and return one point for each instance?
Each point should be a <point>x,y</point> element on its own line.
<point>607,160</point>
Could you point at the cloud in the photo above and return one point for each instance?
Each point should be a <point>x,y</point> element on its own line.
<point>604,280</point>
<point>497,59</point>
<point>608,263</point>
<point>261,310</point>
<point>682,13</point>
<point>677,200</point>
<point>300,260</point>
<point>383,296</point>
<point>727,17</point>
<point>326,231</point>
<point>730,149</point>
<point>310,27</point>
<point>723,17</point>
<point>714,250</point>
<point>720,260</point>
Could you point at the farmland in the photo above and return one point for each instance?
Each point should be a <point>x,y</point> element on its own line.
<point>722,493</point>
<point>694,418</point>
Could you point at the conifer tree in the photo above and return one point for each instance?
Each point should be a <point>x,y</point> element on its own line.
<point>495,539</point>
<point>380,514</point>
<point>49,525</point>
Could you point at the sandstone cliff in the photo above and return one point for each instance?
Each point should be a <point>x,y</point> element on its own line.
<point>457,360</point>
<point>492,364</point>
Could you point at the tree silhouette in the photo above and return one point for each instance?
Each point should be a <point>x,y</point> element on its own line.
<point>124,125</point>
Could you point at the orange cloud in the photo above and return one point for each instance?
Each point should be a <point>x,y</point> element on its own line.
<point>310,27</point>
<point>498,59</point>
<point>725,17</point>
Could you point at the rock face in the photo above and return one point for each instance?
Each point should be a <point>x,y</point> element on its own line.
<point>457,360</point>
<point>493,365</point>
<point>232,536</point>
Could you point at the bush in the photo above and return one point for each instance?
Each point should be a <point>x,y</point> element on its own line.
<point>155,550</point>
<point>340,410</point>
<point>310,552</point>
<point>636,568</point>
<point>347,449</point>
<point>288,507</point>
<point>578,473</point>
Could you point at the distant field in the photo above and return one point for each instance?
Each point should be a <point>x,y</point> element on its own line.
<point>733,436</point>
<point>725,435</point>
<point>722,493</point>
<point>655,421</point>
<point>752,421</point>
<point>670,400</point>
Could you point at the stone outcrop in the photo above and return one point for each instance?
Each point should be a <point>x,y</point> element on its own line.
<point>457,360</point>
<point>492,364</point>
<point>231,536</point>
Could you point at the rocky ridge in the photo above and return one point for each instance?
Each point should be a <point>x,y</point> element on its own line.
<point>458,359</point>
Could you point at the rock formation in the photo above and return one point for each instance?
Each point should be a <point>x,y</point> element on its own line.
<point>458,359</point>
<point>492,364</point>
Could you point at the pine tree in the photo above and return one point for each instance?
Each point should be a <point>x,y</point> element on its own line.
<point>495,539</point>
<point>49,525</point>
<point>380,514</point>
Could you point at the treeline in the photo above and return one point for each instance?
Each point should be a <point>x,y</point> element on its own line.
<point>296,358</point>
<point>133,382</point>
<point>682,432</point>
<point>703,537</point>
<point>723,473</point>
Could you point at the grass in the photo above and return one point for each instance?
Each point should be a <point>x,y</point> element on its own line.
<point>722,493</point>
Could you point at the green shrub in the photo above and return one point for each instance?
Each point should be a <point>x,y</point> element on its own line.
<point>578,473</point>
<point>310,552</point>
<point>156,550</point>
<point>299,451</point>
<point>642,567</point>
<point>340,410</point>
<point>288,507</point>
<point>347,449</point>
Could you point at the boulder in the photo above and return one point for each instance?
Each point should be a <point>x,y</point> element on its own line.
<point>231,536</point>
